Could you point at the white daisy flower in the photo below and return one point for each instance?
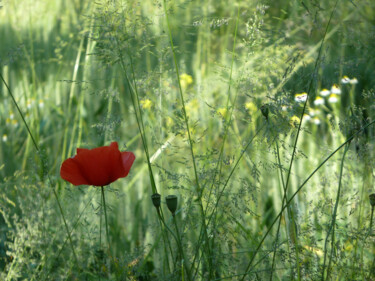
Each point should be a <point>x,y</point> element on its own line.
<point>300,97</point>
<point>319,101</point>
<point>335,89</point>
<point>5,138</point>
<point>316,121</point>
<point>325,92</point>
<point>345,80</point>
<point>353,81</point>
<point>306,117</point>
<point>333,98</point>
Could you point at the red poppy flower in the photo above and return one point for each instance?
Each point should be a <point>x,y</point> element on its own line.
<point>99,166</point>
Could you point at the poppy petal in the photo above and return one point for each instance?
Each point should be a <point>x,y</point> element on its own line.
<point>79,150</point>
<point>127,161</point>
<point>71,172</point>
<point>96,165</point>
<point>99,166</point>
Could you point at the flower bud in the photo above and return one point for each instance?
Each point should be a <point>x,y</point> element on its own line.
<point>265,110</point>
<point>156,200</point>
<point>372,199</point>
<point>171,203</point>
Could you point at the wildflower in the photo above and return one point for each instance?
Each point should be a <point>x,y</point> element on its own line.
<point>30,103</point>
<point>14,122</point>
<point>191,106</point>
<point>335,89</point>
<point>345,80</point>
<point>333,98</point>
<point>294,121</point>
<point>300,97</point>
<point>325,92</point>
<point>185,80</point>
<point>284,108</point>
<point>251,107</point>
<point>99,166</point>
<point>11,115</point>
<point>316,120</point>
<point>353,81</point>
<point>146,103</point>
<point>313,112</point>
<point>169,122</point>
<point>306,117</point>
<point>319,101</point>
<point>222,112</point>
<point>5,138</point>
<point>41,103</point>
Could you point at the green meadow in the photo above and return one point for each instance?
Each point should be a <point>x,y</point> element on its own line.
<point>252,124</point>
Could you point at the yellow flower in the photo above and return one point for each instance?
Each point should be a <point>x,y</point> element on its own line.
<point>185,80</point>
<point>14,122</point>
<point>146,103</point>
<point>222,112</point>
<point>191,106</point>
<point>294,121</point>
<point>251,107</point>
<point>169,122</point>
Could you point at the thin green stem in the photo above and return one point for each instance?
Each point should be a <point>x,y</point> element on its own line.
<point>333,222</point>
<point>106,219</point>
<point>181,249</point>
<point>282,204</point>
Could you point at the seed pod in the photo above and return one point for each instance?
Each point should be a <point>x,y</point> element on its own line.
<point>171,203</point>
<point>156,200</point>
<point>372,199</point>
<point>265,110</point>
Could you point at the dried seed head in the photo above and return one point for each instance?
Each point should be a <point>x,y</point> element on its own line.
<point>265,110</point>
<point>372,199</point>
<point>171,203</point>
<point>156,197</point>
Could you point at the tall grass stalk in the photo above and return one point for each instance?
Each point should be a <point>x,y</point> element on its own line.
<point>331,230</point>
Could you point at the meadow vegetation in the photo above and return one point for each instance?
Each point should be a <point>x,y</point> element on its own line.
<point>253,121</point>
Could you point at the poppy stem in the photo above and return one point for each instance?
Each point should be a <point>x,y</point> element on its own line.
<point>105,218</point>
